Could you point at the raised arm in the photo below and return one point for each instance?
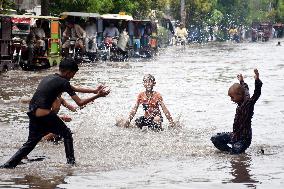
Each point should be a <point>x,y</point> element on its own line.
<point>258,85</point>
<point>244,85</point>
<point>167,113</point>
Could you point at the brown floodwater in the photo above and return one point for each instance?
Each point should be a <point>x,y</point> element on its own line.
<point>194,83</point>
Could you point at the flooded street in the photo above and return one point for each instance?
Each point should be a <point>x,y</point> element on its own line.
<point>193,82</point>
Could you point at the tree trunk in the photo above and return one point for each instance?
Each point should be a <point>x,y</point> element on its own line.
<point>182,11</point>
<point>45,8</point>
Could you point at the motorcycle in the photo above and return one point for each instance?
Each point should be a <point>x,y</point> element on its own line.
<point>180,40</point>
<point>108,48</point>
<point>17,48</point>
<point>73,52</point>
<point>114,48</point>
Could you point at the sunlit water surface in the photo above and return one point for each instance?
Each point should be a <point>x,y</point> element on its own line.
<point>194,83</point>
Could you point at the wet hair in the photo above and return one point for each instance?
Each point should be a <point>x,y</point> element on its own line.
<point>237,89</point>
<point>68,64</point>
<point>149,77</point>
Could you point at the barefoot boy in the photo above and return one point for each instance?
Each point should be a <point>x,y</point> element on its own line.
<point>150,100</point>
<point>240,138</point>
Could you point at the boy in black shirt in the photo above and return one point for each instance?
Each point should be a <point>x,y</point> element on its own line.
<point>43,120</point>
<point>240,138</point>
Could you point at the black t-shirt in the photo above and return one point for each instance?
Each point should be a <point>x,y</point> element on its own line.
<point>48,90</point>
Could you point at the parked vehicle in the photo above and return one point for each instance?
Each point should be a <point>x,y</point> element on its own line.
<point>6,58</point>
<point>145,43</point>
<point>114,48</point>
<point>23,47</point>
<point>89,53</point>
<point>265,30</point>
<point>73,52</point>
<point>262,31</point>
<point>279,30</point>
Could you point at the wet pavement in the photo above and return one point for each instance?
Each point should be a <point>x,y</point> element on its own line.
<point>194,83</point>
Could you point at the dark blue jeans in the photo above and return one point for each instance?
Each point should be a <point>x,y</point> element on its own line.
<point>221,141</point>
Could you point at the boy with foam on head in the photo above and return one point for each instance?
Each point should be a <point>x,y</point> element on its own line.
<point>240,138</point>
<point>150,100</point>
<point>43,120</point>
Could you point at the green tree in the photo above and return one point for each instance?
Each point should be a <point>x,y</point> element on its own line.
<point>262,10</point>
<point>6,4</point>
<point>279,11</point>
<point>137,8</point>
<point>58,6</point>
<point>197,11</point>
<point>101,6</point>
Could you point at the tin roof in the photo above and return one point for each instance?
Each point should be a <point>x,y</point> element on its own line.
<point>116,17</point>
<point>80,14</point>
<point>32,16</point>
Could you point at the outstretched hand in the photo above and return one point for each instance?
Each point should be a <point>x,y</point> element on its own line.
<point>240,77</point>
<point>103,92</point>
<point>98,89</point>
<point>256,76</point>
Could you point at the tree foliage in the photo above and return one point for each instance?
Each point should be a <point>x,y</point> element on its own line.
<point>229,12</point>
<point>279,11</point>
<point>202,12</point>
<point>5,5</point>
<point>137,8</point>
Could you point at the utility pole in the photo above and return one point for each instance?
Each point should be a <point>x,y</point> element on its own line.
<point>182,11</point>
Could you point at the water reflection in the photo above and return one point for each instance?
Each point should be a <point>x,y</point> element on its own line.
<point>32,181</point>
<point>241,170</point>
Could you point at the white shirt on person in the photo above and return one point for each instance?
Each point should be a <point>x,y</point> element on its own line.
<point>91,30</point>
<point>39,32</point>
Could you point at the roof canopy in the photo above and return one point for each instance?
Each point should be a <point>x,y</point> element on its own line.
<point>33,16</point>
<point>80,14</point>
<point>116,17</point>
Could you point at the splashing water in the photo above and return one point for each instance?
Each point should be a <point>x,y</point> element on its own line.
<point>194,83</point>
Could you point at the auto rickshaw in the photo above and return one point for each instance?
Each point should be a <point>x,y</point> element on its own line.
<point>6,62</point>
<point>114,48</point>
<point>24,41</point>
<point>279,30</point>
<point>144,38</point>
<point>266,29</point>
<point>89,23</point>
<point>261,31</point>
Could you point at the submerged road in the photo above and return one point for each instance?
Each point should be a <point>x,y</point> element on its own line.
<point>194,83</point>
